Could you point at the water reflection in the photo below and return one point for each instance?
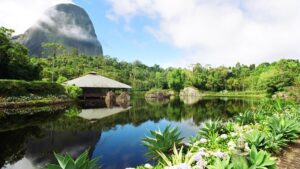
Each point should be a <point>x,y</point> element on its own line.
<point>114,134</point>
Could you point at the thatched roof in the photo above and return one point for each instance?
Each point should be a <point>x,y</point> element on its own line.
<point>92,80</point>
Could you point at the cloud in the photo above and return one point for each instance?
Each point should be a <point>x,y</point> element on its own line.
<point>220,32</point>
<point>64,25</point>
<point>21,14</point>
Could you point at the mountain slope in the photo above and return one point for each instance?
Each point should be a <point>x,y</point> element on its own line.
<point>67,24</point>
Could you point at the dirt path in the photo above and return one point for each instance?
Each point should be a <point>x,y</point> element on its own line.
<point>290,159</point>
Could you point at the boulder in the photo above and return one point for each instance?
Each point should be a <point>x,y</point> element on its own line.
<point>190,91</point>
<point>110,99</point>
<point>123,100</point>
<point>159,94</point>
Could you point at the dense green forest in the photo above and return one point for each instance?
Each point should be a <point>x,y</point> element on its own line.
<point>59,64</point>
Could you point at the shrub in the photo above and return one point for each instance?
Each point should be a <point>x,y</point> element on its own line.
<point>261,159</point>
<point>66,162</point>
<point>162,141</point>
<point>289,128</point>
<point>255,160</point>
<point>256,138</point>
<point>210,128</point>
<point>73,91</point>
<point>24,88</point>
<point>275,142</point>
<point>246,118</point>
<point>178,158</point>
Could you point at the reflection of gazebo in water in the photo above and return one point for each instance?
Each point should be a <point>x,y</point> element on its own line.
<point>96,86</point>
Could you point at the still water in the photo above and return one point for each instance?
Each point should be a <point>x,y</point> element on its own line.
<point>113,135</point>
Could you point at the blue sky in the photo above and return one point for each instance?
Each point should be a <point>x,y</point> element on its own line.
<point>181,32</point>
<point>127,45</point>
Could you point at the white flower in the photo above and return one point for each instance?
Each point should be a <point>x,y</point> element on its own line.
<point>224,136</point>
<point>219,154</point>
<point>233,134</point>
<point>202,149</point>
<point>200,163</point>
<point>203,140</point>
<point>247,147</point>
<point>199,156</point>
<point>180,166</point>
<point>231,144</point>
<point>148,166</point>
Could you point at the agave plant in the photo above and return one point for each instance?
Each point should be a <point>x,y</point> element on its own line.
<point>256,138</point>
<point>210,128</point>
<point>289,128</point>
<point>261,159</point>
<point>255,160</point>
<point>162,141</point>
<point>246,118</point>
<point>221,164</point>
<point>66,162</point>
<point>177,158</point>
<point>275,142</point>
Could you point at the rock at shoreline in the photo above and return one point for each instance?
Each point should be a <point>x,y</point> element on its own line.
<point>123,100</point>
<point>110,99</point>
<point>159,94</point>
<point>190,91</point>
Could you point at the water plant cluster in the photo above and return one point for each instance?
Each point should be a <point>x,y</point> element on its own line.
<point>249,140</point>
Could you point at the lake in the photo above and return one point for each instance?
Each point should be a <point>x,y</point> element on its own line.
<point>114,135</point>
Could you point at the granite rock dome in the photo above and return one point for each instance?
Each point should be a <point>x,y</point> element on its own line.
<point>67,24</point>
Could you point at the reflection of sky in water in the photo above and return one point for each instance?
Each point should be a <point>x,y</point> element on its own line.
<point>118,146</point>
<point>122,146</point>
<point>24,164</point>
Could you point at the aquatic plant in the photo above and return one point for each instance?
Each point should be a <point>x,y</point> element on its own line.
<point>67,162</point>
<point>162,141</point>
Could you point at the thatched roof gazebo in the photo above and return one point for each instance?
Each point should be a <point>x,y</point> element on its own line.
<point>94,85</point>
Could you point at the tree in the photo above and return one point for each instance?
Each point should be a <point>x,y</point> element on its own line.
<point>176,79</point>
<point>52,50</point>
<point>14,60</point>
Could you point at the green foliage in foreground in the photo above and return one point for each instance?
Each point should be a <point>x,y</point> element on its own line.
<point>255,160</point>
<point>162,141</point>
<point>226,145</point>
<point>67,162</point>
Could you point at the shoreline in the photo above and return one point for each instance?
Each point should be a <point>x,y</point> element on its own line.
<point>34,103</point>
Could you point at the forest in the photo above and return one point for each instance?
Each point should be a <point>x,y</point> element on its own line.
<point>59,63</point>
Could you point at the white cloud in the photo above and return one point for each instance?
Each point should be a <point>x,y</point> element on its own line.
<point>21,14</point>
<point>220,32</point>
<point>65,25</point>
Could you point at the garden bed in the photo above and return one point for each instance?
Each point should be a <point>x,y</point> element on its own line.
<point>32,101</point>
<point>253,139</point>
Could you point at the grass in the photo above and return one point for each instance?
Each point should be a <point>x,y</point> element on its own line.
<point>234,94</point>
